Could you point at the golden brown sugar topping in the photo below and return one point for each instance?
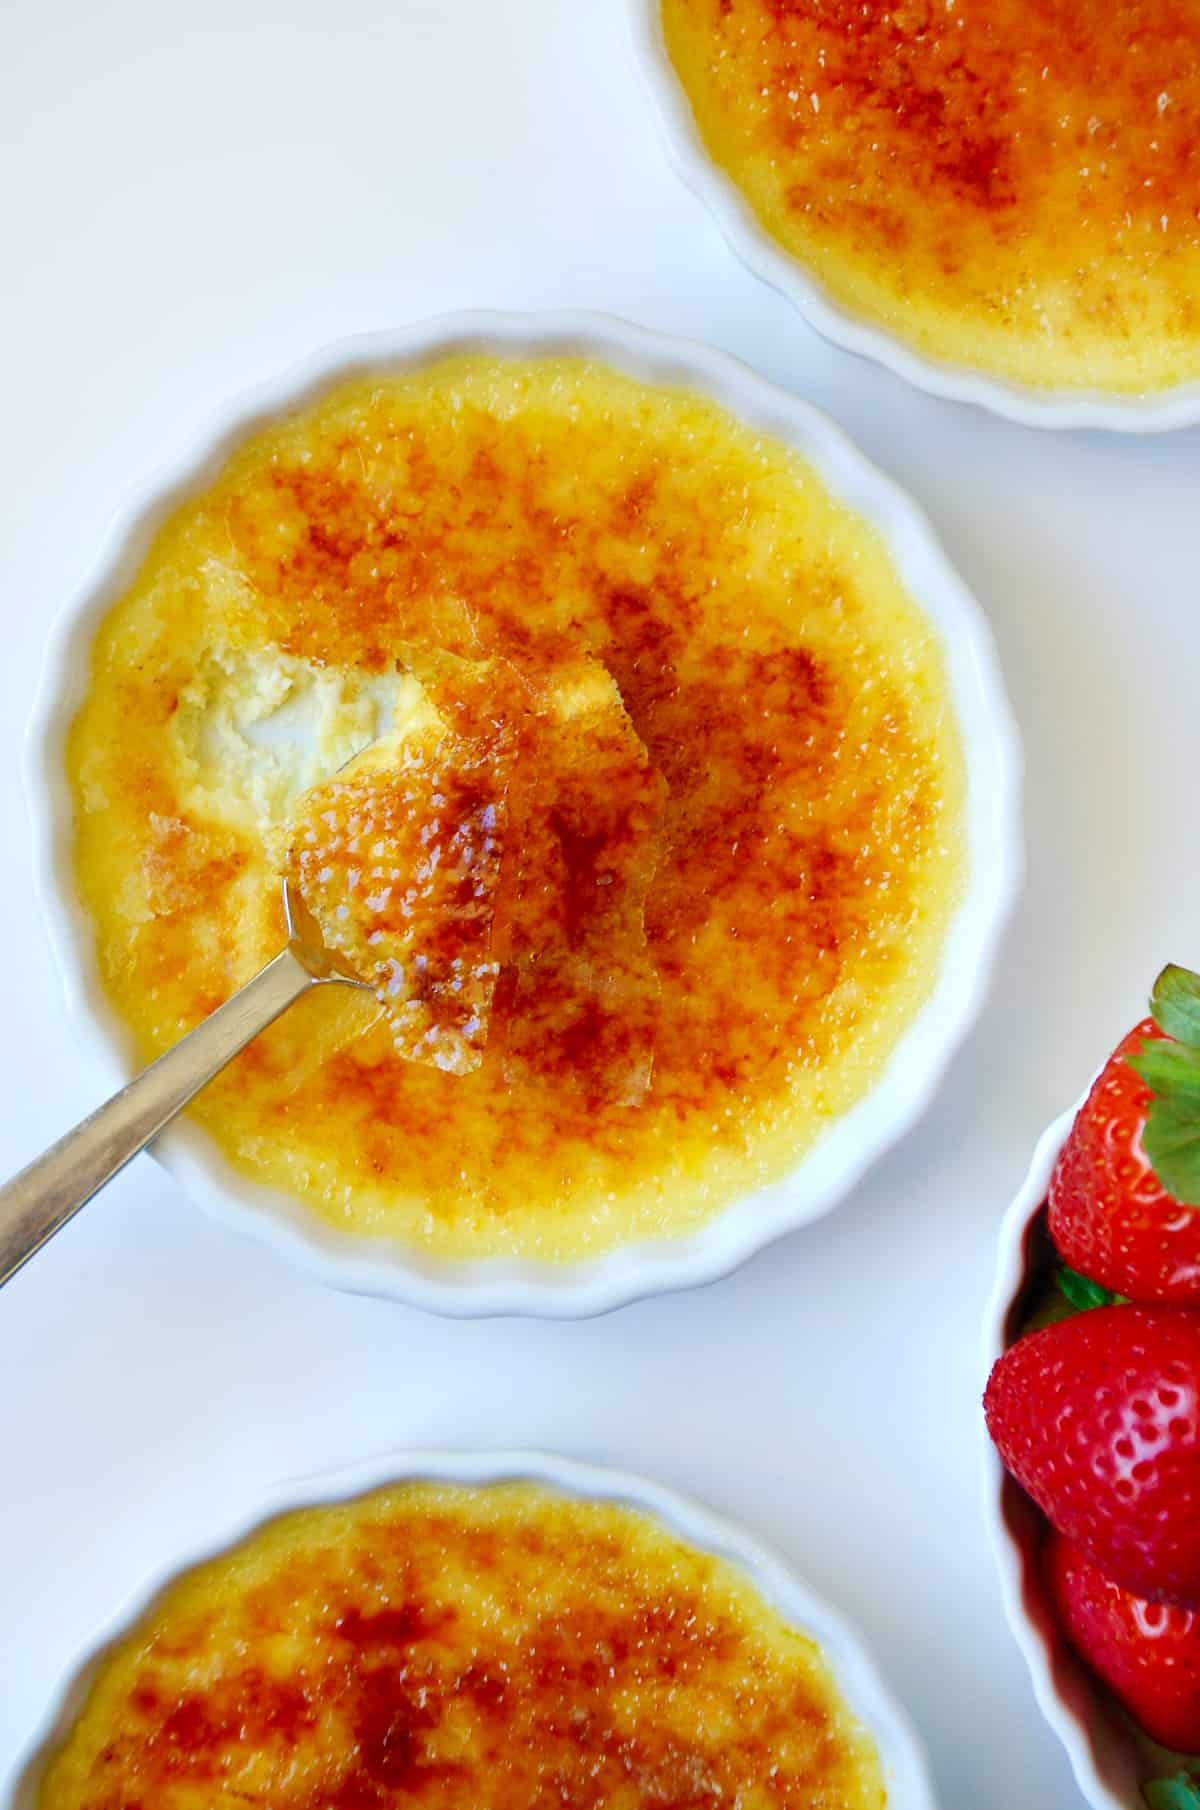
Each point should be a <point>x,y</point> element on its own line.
<point>583,994</point>
<point>458,1647</point>
<point>1013,184</point>
<point>398,859</point>
<point>730,776</point>
<point>516,846</point>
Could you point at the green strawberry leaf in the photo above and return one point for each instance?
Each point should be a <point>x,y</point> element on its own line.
<point>1179,1793</point>
<point>1175,1004</point>
<point>1171,1138</point>
<point>1172,1142</point>
<point>1170,1069</point>
<point>1081,1291</point>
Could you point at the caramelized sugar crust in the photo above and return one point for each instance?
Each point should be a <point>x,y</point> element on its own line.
<point>398,859</point>
<point>583,994</point>
<point>781,894</point>
<point>512,840</point>
<point>444,1646</point>
<point>1012,185</point>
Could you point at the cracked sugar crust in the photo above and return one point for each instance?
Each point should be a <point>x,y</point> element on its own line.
<point>523,828</point>
<point>450,1647</point>
<point>398,858</point>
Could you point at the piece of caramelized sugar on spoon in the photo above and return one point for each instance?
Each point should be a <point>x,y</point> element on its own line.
<point>398,858</point>
<point>507,833</point>
<point>580,1001</point>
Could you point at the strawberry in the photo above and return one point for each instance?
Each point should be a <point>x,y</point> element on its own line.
<point>1098,1418</point>
<point>1148,1654</point>
<point>1125,1188</point>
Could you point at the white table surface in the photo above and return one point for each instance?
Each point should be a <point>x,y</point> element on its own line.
<point>192,198</point>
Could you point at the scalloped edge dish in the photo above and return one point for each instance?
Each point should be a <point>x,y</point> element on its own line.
<point>862,1688</point>
<point>1102,1754</point>
<point>906,1084</point>
<point>764,257</point>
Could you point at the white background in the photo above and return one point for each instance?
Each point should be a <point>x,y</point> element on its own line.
<point>192,198</point>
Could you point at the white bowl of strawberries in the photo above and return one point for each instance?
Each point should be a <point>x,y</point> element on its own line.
<point>1093,1409</point>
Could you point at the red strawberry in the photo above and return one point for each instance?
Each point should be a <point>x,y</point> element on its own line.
<point>1123,1193</point>
<point>1147,1653</point>
<point>1098,1418</point>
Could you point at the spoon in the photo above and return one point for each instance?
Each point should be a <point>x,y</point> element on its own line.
<point>40,1200</point>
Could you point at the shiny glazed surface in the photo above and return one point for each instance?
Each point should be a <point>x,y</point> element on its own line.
<point>784,686</point>
<point>462,1646</point>
<point>1007,185</point>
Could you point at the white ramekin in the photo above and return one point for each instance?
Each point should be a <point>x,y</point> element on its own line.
<point>861,1687</point>
<point>1099,1744</point>
<point>831,1168</point>
<point>748,239</point>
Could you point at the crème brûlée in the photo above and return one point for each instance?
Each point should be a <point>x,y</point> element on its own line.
<point>656,838</point>
<point>459,1647</point>
<point>1007,185</point>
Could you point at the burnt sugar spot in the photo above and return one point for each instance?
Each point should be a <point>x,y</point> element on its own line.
<point>391,1627</point>
<point>193,1734</point>
<point>390,1720</point>
<point>890,82</point>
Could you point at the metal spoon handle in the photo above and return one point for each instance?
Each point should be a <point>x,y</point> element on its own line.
<point>55,1185</point>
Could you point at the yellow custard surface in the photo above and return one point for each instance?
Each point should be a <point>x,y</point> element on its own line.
<point>459,1647</point>
<point>808,849</point>
<point>1011,186</point>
